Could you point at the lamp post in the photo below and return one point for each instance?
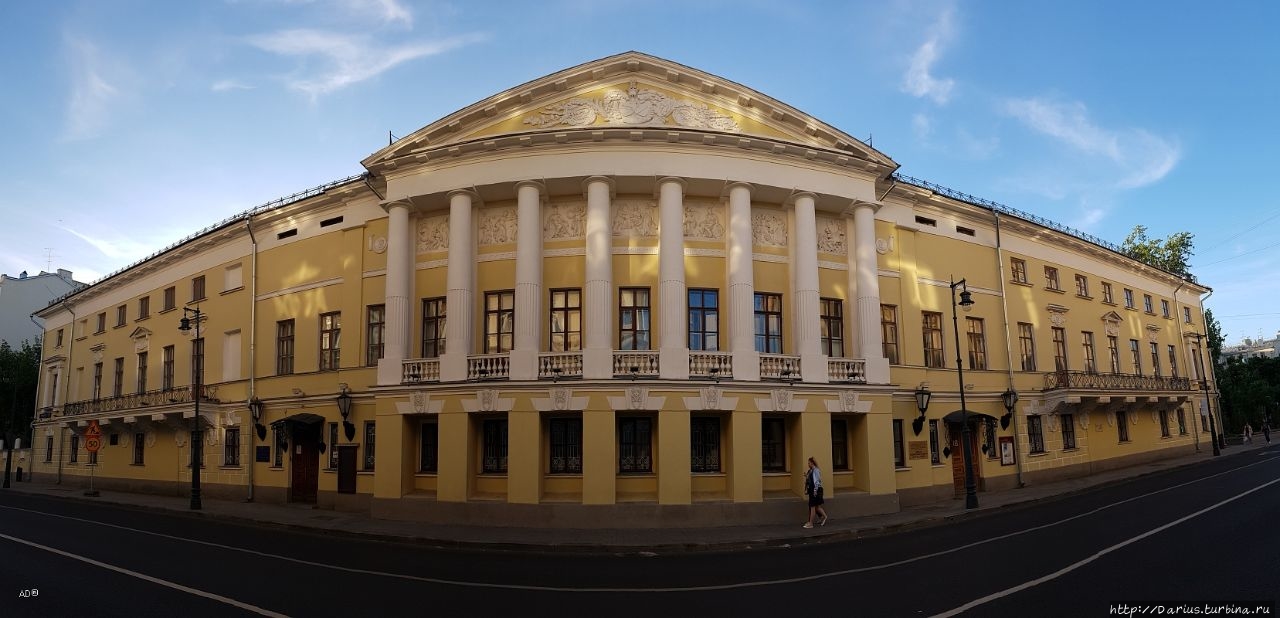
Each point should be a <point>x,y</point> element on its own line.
<point>966,302</point>
<point>1204,383</point>
<point>1010,399</point>
<point>197,446</point>
<point>344,408</point>
<point>922,404</point>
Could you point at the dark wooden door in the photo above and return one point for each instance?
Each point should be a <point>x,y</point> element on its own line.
<point>346,468</point>
<point>304,461</point>
<point>957,457</point>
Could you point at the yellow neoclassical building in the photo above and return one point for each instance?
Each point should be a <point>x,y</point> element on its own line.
<point>630,293</point>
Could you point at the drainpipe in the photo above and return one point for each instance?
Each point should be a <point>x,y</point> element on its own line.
<point>253,356</point>
<point>1195,426</point>
<point>1008,345</point>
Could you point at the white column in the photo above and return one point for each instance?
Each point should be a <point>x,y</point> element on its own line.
<point>853,334</point>
<point>864,223</point>
<point>524,356</point>
<point>807,318</point>
<point>597,323</point>
<point>742,286</point>
<point>460,297</point>
<point>399,291</point>
<point>673,309</point>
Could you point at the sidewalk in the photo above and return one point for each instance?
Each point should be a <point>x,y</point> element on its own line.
<point>618,540</point>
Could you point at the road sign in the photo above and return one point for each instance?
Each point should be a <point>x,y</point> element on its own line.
<point>93,430</point>
<point>92,443</point>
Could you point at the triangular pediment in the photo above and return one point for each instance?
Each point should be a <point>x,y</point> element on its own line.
<point>140,333</point>
<point>1111,317</point>
<point>629,90</point>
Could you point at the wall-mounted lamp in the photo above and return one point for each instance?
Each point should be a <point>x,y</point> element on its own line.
<point>344,408</point>
<point>1010,399</point>
<point>714,372</point>
<point>635,372</point>
<point>255,410</point>
<point>555,374</point>
<point>922,403</point>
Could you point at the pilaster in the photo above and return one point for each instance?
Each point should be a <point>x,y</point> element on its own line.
<point>741,278</point>
<point>460,297</point>
<point>528,335</point>
<point>597,353</point>
<point>672,297</point>
<point>399,289</point>
<point>864,222</point>
<point>813,364</point>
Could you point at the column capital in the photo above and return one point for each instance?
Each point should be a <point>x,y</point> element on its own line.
<point>798,195</point>
<point>401,203</point>
<point>676,179</point>
<point>857,205</point>
<point>730,186</point>
<point>537,184</point>
<point>590,180</point>
<point>475,197</point>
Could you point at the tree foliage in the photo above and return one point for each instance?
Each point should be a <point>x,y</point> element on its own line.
<point>1172,254</point>
<point>19,377</point>
<point>1250,391</point>
<point>1216,337</point>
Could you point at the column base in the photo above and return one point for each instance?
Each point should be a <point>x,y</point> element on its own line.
<point>673,364</point>
<point>813,369</point>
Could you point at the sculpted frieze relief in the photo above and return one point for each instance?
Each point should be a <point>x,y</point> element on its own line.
<point>831,236</point>
<point>633,107</point>
<point>703,221</point>
<point>635,218</point>
<point>564,221</point>
<point>497,226</point>
<point>433,234</point>
<point>768,228</point>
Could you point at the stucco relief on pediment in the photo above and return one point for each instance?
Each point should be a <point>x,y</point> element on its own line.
<point>768,228</point>
<point>433,234</point>
<point>633,107</point>
<point>564,221</point>
<point>831,237</point>
<point>635,218</point>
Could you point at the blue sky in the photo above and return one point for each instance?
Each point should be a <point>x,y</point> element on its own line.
<point>128,124</point>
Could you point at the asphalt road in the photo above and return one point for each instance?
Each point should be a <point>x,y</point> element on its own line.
<point>1203,534</point>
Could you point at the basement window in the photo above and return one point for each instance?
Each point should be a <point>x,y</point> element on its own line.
<point>926,221</point>
<point>284,235</point>
<point>964,230</point>
<point>333,221</point>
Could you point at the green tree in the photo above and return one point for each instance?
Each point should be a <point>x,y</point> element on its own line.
<point>19,377</point>
<point>1216,337</point>
<point>1172,254</point>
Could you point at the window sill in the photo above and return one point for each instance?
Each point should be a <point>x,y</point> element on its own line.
<point>164,311</point>
<point>717,474</point>
<point>775,473</point>
<point>142,318</point>
<point>425,474</point>
<point>1131,308</point>
<point>1021,283</point>
<point>118,326</point>
<point>1038,454</point>
<point>1055,290</point>
<point>902,469</point>
<point>1109,302</point>
<point>492,475</point>
<point>281,468</point>
<point>364,472</point>
<point>231,467</point>
<point>1084,297</point>
<point>1150,313</point>
<point>99,332</point>
<point>1070,450</point>
<point>231,291</point>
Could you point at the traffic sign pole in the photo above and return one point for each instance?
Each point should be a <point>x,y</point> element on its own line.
<point>92,444</point>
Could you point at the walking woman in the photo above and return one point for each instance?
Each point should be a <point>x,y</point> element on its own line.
<point>813,489</point>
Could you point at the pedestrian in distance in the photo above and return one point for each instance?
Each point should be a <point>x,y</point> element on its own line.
<point>1266,430</point>
<point>1248,434</point>
<point>813,489</point>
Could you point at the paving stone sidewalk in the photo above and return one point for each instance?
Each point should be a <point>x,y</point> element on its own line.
<point>659,540</point>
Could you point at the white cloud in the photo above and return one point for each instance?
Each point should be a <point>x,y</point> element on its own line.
<point>1141,157</point>
<point>92,93</point>
<point>347,59</point>
<point>223,85</point>
<point>120,249</point>
<point>975,147</point>
<point>918,80</point>
<point>922,126</point>
<point>389,11</point>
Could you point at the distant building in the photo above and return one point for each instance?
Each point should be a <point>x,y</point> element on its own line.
<point>1252,349</point>
<point>22,295</point>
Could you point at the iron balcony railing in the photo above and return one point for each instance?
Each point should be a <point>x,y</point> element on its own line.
<point>137,400</point>
<point>1113,382</point>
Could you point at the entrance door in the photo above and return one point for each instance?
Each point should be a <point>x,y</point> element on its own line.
<point>304,461</point>
<point>957,457</point>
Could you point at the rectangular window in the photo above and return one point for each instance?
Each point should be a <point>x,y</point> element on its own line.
<point>899,454</point>
<point>166,368</point>
<point>231,447</point>
<point>1164,423</point>
<point>122,315</point>
<point>1019,268</point>
<point>142,372</point>
<point>1128,298</point>
<point>839,444</point>
<point>832,317</point>
<point>144,307</point>
<point>1082,286</point>
<point>197,360</point>
<point>1051,278</point>
<point>1027,346</point>
<point>1146,304</point>
<point>197,288</point>
<point>232,278</point>
<point>495,446</point>
<point>48,449</point>
<point>330,340</point>
<point>1113,347</point>
<point>566,446</point>
<point>932,325</point>
<point>1107,296</point>
<point>1068,423</point>
<point>284,347</point>
<point>977,343</point>
<point>1155,358</point>
<point>704,320</point>
<point>1035,434</point>
<point>989,429</point>
<point>102,323</point>
<point>117,383</point>
<point>1186,314</point>
<point>74,456</point>
<point>889,332</point>
<point>58,341</point>
<point>278,446</point>
<point>935,454</point>
<point>429,448</point>
<point>704,444</point>
<point>1122,425</point>
<point>170,298</point>
<point>375,331</point>
<point>370,444</point>
<point>1182,422</point>
<point>1173,361</point>
<point>633,319</point>
<point>333,446</point>
<point>1059,349</point>
<point>139,442</point>
<point>1090,360</point>
<point>635,445</point>
<point>768,327</point>
<point>1164,308</point>
<point>499,321</point>
<point>97,381</point>
<point>566,320</point>
<point>1137,356</point>
<point>773,445</point>
<point>433,324</point>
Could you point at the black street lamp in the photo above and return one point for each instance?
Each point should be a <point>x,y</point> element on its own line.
<point>1010,399</point>
<point>197,446</point>
<point>922,404</point>
<point>1208,406</point>
<point>966,302</point>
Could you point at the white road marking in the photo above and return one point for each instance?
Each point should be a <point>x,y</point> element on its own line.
<point>747,584</point>
<point>168,584</point>
<point>1071,567</point>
